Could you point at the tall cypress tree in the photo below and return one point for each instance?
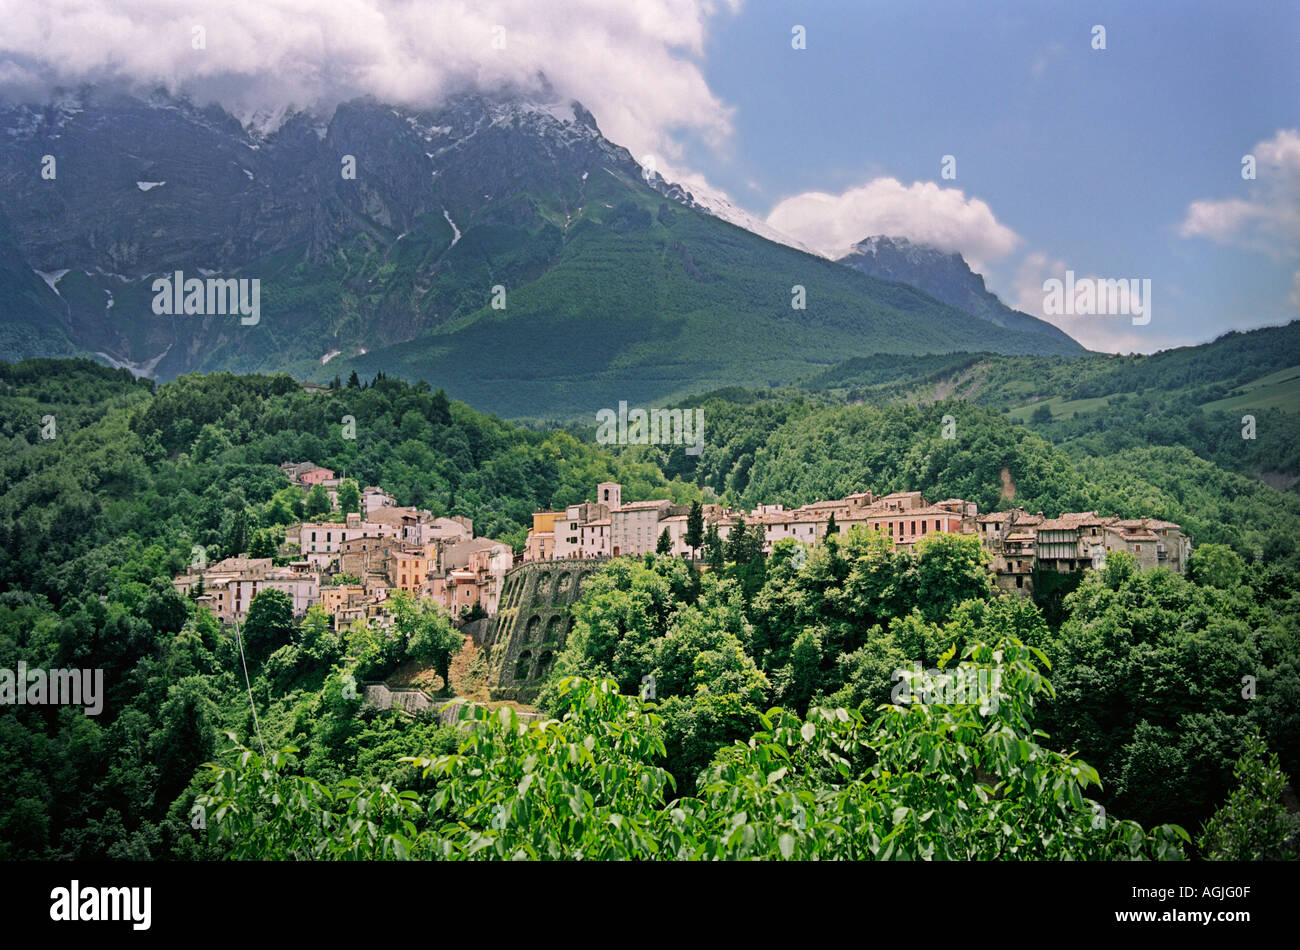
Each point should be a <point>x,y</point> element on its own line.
<point>695,528</point>
<point>714,552</point>
<point>736,542</point>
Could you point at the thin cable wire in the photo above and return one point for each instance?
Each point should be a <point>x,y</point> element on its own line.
<point>257,727</point>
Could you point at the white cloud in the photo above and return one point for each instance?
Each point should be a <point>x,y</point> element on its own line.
<point>634,65</point>
<point>1027,286</point>
<point>1267,221</point>
<point>922,212</point>
<point>1100,332</point>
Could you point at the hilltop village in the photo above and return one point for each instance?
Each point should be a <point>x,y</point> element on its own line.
<point>1017,540</point>
<point>351,566</point>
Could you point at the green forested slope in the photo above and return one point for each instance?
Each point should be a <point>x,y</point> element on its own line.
<point>94,522</point>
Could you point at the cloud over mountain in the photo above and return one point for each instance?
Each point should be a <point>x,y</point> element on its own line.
<point>922,212</point>
<point>634,65</point>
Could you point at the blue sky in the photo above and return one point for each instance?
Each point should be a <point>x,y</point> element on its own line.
<point>1091,157</point>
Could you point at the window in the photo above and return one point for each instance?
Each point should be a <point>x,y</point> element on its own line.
<point>923,526</point>
<point>913,527</point>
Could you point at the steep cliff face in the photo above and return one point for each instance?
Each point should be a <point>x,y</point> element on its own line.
<point>104,191</point>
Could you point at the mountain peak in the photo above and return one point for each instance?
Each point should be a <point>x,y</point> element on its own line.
<point>944,275</point>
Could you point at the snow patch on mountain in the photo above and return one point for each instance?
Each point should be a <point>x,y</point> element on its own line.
<point>53,277</point>
<point>145,369</point>
<point>704,198</point>
<point>260,123</point>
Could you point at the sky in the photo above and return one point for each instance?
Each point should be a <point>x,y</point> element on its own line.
<point>1117,163</point>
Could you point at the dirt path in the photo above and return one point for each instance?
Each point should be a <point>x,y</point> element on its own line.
<point>469,672</point>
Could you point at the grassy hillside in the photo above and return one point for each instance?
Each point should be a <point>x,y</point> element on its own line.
<point>1094,406</point>
<point>648,302</point>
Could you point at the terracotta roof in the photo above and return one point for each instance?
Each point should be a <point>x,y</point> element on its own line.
<point>391,515</point>
<point>1145,523</point>
<point>770,517</point>
<point>902,514</point>
<point>994,517</point>
<point>476,544</point>
<point>1070,520</point>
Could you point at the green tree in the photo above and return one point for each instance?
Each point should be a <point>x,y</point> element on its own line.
<point>1148,671</point>
<point>521,791</point>
<point>318,502</point>
<point>625,609</point>
<point>715,554</point>
<point>269,624</point>
<point>950,568</point>
<point>349,496</point>
<point>1217,565</point>
<point>664,546</point>
<point>695,529</point>
<point>265,543</point>
<point>163,607</point>
<point>805,670</point>
<point>237,536</point>
<point>430,637</point>
<point>736,541</point>
<point>1253,824</point>
<point>185,736</point>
